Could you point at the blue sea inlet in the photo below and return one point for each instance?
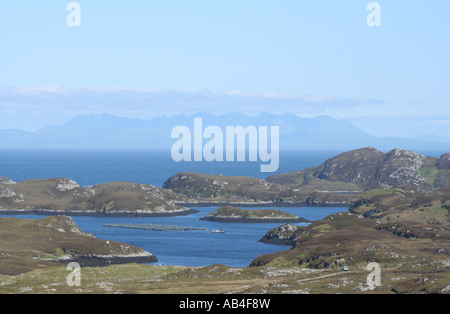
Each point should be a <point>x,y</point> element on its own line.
<point>237,247</point>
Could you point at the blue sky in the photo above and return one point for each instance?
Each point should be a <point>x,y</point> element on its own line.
<point>314,57</point>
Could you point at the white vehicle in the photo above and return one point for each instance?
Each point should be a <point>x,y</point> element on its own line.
<point>344,268</point>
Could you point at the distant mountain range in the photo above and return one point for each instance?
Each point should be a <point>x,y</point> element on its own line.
<point>110,132</point>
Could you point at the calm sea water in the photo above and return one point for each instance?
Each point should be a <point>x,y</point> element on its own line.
<point>147,167</point>
<point>237,247</point>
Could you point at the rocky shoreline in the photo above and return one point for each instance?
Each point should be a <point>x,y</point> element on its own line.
<point>45,212</point>
<point>265,204</point>
<point>255,220</point>
<point>103,261</point>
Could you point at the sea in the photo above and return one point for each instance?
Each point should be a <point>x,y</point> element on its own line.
<point>237,247</point>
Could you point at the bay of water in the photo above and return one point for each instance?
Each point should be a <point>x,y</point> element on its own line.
<point>237,247</point>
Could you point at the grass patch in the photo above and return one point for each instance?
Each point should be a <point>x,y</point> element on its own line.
<point>429,174</point>
<point>383,192</point>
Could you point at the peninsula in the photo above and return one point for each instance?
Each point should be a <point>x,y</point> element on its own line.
<point>56,241</point>
<point>62,196</point>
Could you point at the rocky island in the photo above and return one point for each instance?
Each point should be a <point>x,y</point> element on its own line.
<point>235,214</point>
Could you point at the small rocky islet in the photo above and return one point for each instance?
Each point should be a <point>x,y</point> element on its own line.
<point>236,214</point>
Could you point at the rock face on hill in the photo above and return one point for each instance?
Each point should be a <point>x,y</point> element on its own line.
<point>444,162</point>
<point>57,240</point>
<point>369,168</point>
<point>65,196</point>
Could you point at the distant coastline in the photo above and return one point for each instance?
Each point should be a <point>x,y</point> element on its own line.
<point>95,214</point>
<point>265,204</point>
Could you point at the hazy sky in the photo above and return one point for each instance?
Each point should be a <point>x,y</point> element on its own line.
<point>145,57</point>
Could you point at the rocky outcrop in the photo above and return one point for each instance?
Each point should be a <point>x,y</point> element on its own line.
<point>284,235</point>
<point>65,185</point>
<point>370,168</point>
<point>6,193</point>
<point>358,166</point>
<point>402,167</point>
<point>444,162</point>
